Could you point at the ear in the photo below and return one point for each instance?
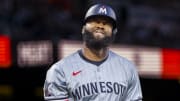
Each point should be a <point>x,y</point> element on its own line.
<point>83,28</point>
<point>115,31</point>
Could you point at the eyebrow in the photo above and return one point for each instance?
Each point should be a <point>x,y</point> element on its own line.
<point>106,20</point>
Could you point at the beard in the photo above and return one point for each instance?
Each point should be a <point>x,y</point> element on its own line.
<point>94,43</point>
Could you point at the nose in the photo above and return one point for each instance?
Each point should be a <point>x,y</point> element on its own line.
<point>100,25</point>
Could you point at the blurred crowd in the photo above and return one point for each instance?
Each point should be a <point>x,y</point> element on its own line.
<point>140,22</point>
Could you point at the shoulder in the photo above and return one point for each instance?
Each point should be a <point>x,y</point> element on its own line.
<point>123,61</point>
<point>69,59</point>
<point>129,68</point>
<point>114,55</point>
<point>64,63</point>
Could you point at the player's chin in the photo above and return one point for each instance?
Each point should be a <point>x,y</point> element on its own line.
<point>99,43</point>
<point>99,38</point>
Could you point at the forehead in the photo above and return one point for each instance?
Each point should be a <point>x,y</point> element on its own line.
<point>100,18</point>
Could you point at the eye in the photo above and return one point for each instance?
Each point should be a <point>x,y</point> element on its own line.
<point>105,23</point>
<point>97,21</point>
<point>101,22</point>
<point>109,24</point>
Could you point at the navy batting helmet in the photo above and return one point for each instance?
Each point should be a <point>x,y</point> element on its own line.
<point>102,10</point>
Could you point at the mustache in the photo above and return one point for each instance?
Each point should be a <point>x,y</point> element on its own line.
<point>93,43</point>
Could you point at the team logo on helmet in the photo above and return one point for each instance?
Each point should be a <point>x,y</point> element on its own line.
<point>102,10</point>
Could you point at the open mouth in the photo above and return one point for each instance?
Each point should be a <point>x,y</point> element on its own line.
<point>99,32</point>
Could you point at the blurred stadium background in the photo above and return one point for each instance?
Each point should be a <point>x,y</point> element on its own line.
<point>36,33</point>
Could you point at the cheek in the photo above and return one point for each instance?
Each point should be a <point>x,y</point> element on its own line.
<point>89,26</point>
<point>109,31</point>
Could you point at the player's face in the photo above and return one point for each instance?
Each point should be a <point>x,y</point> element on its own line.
<point>97,32</point>
<point>100,27</point>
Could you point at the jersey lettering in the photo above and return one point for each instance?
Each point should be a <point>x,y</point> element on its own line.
<point>109,87</point>
<point>94,88</point>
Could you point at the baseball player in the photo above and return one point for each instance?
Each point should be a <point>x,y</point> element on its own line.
<point>94,73</point>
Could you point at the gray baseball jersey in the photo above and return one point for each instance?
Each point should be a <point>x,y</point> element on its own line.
<point>74,78</point>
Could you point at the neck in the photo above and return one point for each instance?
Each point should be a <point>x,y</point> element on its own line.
<point>95,55</point>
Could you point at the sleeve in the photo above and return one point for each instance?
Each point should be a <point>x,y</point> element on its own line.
<point>134,92</point>
<point>55,87</point>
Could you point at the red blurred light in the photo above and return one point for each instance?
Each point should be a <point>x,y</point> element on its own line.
<point>171,63</point>
<point>5,53</point>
